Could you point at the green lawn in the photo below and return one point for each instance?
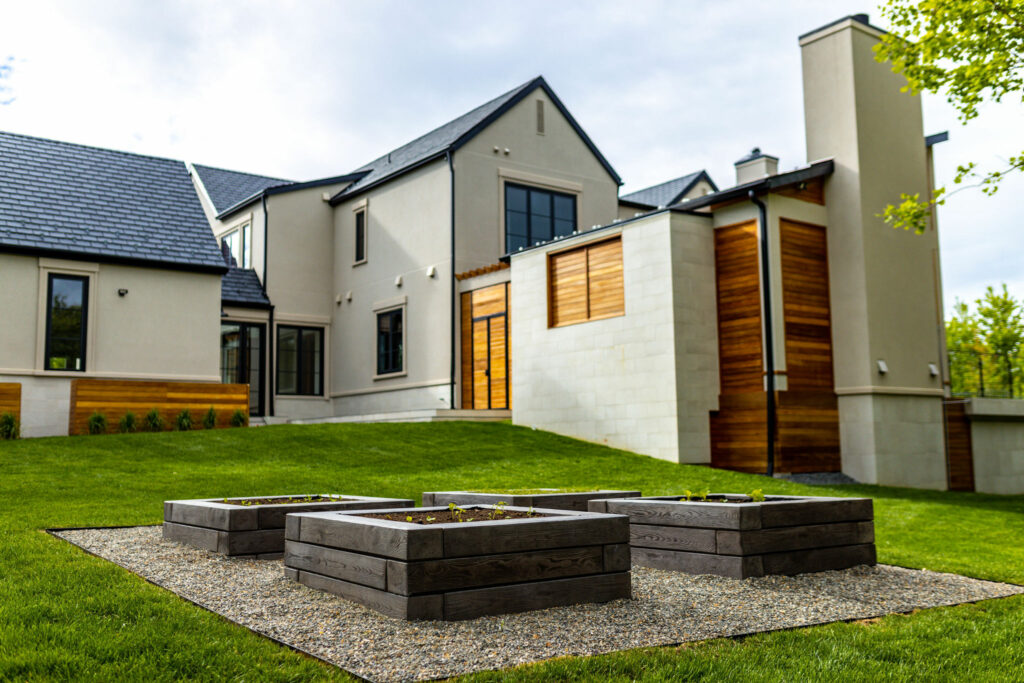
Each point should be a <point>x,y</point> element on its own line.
<point>68,615</point>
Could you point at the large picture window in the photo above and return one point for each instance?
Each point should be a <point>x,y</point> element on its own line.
<point>66,321</point>
<point>300,361</point>
<point>533,215</point>
<point>389,342</point>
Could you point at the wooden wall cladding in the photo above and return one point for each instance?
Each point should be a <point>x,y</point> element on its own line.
<point>812,191</point>
<point>586,283</point>
<point>806,309</point>
<point>959,454</point>
<point>484,344</point>
<point>10,398</point>
<point>114,398</point>
<point>739,309</point>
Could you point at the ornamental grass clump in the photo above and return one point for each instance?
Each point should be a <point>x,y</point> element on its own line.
<point>129,423</point>
<point>9,427</point>
<point>97,423</point>
<point>154,423</point>
<point>239,419</point>
<point>210,419</point>
<point>184,420</point>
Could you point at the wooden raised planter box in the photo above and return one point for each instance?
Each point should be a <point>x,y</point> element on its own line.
<point>782,535</point>
<point>254,530</point>
<point>464,570</point>
<point>556,500</point>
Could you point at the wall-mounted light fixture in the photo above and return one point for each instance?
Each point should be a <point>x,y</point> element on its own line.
<point>431,271</point>
<point>122,292</point>
<point>398,281</point>
<point>933,369</point>
<point>882,367</point>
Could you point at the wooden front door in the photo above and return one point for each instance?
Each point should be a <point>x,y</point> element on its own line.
<point>485,360</point>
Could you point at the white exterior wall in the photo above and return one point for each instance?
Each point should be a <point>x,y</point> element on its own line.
<point>610,381</point>
<point>997,443</point>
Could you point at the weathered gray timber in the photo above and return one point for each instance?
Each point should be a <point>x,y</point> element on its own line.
<point>221,526</point>
<point>461,570</point>
<point>781,535</point>
<point>556,500</point>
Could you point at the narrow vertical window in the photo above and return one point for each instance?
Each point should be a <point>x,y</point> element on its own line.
<point>66,320</point>
<point>389,342</point>
<point>237,247</point>
<point>360,236</point>
<point>540,117</point>
<point>246,245</point>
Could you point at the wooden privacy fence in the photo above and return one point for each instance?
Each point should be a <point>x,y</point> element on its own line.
<point>114,398</point>
<point>10,398</point>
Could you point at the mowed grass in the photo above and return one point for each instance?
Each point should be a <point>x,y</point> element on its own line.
<point>67,615</point>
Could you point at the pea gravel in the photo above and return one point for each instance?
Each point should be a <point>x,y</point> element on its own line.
<point>667,608</point>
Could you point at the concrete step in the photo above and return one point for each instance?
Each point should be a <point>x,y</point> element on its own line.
<point>438,415</point>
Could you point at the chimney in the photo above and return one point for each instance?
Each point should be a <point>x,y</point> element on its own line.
<point>755,166</point>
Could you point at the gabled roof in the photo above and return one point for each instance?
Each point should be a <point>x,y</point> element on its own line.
<point>227,188</point>
<point>667,193</point>
<point>818,169</point>
<point>74,201</point>
<point>456,133</point>
<point>242,287</point>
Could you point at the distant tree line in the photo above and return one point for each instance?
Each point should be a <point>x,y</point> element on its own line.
<point>986,346</point>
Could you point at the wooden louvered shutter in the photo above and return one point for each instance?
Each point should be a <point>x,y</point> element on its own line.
<point>604,280</point>
<point>586,284</point>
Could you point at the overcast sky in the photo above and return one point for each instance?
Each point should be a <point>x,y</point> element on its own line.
<point>302,90</point>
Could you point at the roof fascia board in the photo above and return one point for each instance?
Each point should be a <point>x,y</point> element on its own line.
<point>703,175</point>
<point>290,187</point>
<point>245,304</point>
<point>113,260</point>
<point>775,182</point>
<point>341,196</point>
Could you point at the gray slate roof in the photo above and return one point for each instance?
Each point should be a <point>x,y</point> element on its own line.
<point>242,287</point>
<point>227,188</point>
<point>454,133</point>
<point>667,193</point>
<point>71,200</point>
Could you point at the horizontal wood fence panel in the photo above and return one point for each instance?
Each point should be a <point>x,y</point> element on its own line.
<point>115,398</point>
<point>10,398</point>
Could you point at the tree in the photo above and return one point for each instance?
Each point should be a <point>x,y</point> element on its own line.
<point>986,348</point>
<point>971,50</point>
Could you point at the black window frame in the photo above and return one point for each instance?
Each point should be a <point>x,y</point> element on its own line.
<point>277,360</point>
<point>530,191</point>
<point>84,279</point>
<point>383,371</point>
<point>245,360</point>
<point>360,237</point>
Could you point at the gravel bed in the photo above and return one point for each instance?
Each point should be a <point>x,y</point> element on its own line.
<point>667,608</point>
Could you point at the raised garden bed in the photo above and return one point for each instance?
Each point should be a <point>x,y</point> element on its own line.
<point>737,537</point>
<point>252,526</point>
<point>555,499</point>
<point>461,570</point>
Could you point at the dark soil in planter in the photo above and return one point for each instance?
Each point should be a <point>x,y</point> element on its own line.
<point>449,516</point>
<point>724,498</point>
<point>285,501</point>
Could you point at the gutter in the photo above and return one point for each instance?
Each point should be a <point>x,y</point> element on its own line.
<point>454,287</point>
<point>769,338</point>
<point>270,317</point>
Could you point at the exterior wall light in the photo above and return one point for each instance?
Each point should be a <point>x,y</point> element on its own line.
<point>122,292</point>
<point>882,367</point>
<point>933,369</point>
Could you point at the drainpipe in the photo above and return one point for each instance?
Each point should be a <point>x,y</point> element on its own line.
<point>769,338</point>
<point>451,379</point>
<point>270,321</point>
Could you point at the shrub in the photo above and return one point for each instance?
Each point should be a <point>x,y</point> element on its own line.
<point>210,419</point>
<point>97,423</point>
<point>9,427</point>
<point>239,419</point>
<point>128,424</point>
<point>154,422</point>
<point>184,420</point>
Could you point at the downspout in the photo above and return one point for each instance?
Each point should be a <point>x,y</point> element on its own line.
<point>769,334</point>
<point>451,379</point>
<point>270,321</point>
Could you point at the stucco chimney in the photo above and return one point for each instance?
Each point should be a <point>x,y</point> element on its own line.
<point>755,166</point>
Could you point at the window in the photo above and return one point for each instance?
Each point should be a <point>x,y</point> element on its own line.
<point>237,245</point>
<point>66,319</point>
<point>300,361</point>
<point>586,284</point>
<point>533,215</point>
<point>360,236</point>
<point>389,342</point>
<point>241,360</point>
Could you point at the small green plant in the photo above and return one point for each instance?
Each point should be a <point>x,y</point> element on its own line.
<point>757,495</point>
<point>408,518</point>
<point>698,496</point>
<point>97,423</point>
<point>9,427</point>
<point>456,512</point>
<point>128,423</point>
<point>154,423</point>
<point>239,419</point>
<point>184,420</point>
<point>431,519</point>
<point>210,419</point>
<point>499,509</point>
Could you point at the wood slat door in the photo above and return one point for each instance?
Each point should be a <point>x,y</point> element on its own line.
<point>959,453</point>
<point>485,357</point>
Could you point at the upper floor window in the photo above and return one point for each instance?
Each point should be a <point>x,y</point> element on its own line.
<point>360,236</point>
<point>300,360</point>
<point>533,215</point>
<point>66,319</point>
<point>389,342</point>
<point>237,246</point>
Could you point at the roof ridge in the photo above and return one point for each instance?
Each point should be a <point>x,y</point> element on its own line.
<point>80,145</point>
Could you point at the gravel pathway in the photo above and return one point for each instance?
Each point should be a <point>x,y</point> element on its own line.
<point>667,608</point>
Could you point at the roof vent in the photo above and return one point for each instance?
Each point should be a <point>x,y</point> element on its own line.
<point>755,166</point>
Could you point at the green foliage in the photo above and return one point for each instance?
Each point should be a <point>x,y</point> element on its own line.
<point>9,427</point>
<point>757,495</point>
<point>97,423</point>
<point>239,419</point>
<point>183,422</point>
<point>128,424</point>
<point>986,347</point>
<point>210,419</point>
<point>970,50</point>
<point>154,423</point>
<point>696,495</point>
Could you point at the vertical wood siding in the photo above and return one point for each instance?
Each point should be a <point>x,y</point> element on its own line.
<point>741,365</point>
<point>959,454</point>
<point>484,344</point>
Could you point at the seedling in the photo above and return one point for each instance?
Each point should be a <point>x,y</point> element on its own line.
<point>757,495</point>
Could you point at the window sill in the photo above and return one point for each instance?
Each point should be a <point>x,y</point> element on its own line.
<point>359,263</point>
<point>390,375</point>
<point>303,397</point>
